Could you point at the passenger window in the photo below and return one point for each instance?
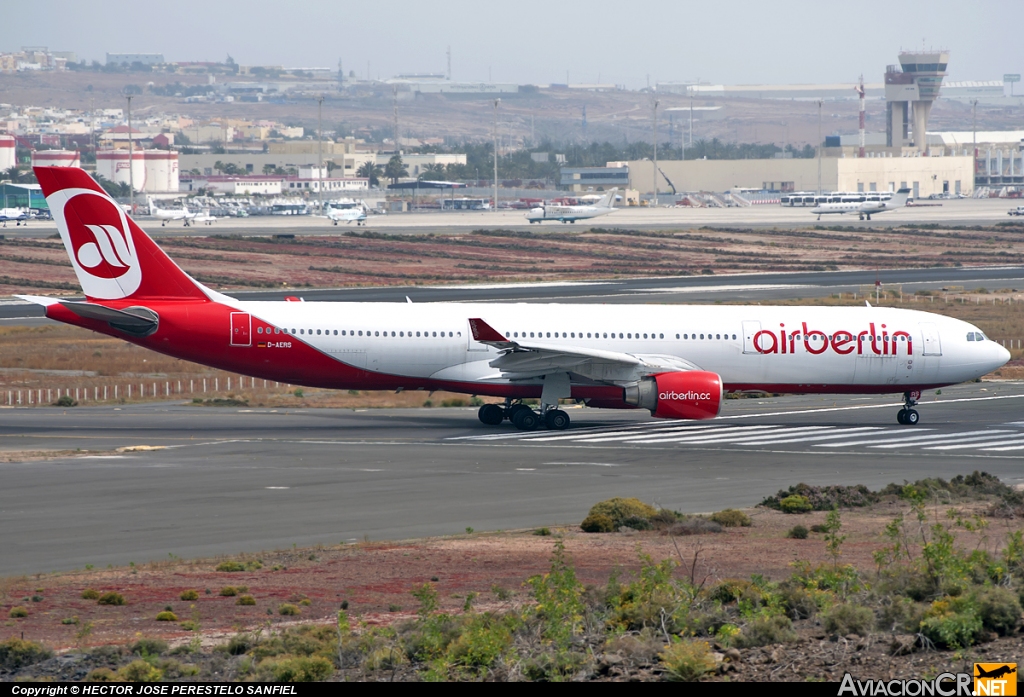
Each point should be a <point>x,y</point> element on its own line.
<point>718,336</point>
<point>620,335</point>
<point>302,331</point>
<point>392,333</point>
<point>360,332</point>
<point>549,335</point>
<point>335,332</point>
<point>435,333</point>
<point>376,333</point>
<point>734,337</point>
<point>701,336</point>
<point>531,335</point>
<point>677,336</point>
<point>417,333</point>
<point>318,332</point>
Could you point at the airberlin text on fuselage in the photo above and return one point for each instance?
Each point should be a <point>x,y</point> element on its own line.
<point>871,340</point>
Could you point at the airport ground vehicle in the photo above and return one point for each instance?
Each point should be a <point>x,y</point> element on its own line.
<point>676,361</point>
<point>1019,210</point>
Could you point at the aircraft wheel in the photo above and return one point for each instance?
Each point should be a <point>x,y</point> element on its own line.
<point>511,412</point>
<point>911,417</point>
<point>901,417</point>
<point>491,414</point>
<point>556,420</point>
<point>526,419</point>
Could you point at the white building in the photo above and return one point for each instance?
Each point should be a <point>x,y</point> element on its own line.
<point>8,147</point>
<point>150,171</point>
<point>56,158</point>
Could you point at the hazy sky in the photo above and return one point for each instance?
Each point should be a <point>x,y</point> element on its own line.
<point>538,41</point>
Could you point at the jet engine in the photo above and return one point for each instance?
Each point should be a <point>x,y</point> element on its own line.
<point>694,394</point>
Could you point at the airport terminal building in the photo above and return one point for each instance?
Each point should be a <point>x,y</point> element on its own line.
<point>924,176</point>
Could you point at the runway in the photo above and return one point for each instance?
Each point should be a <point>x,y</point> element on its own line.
<point>950,212</point>
<point>233,480</point>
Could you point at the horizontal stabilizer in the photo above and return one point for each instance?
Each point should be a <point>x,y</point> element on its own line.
<point>137,321</point>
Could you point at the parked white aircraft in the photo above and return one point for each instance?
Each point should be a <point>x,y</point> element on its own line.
<point>165,214</point>
<point>14,215</point>
<point>676,361</point>
<point>570,214</point>
<point>355,214</point>
<point>204,217</point>
<point>863,208</point>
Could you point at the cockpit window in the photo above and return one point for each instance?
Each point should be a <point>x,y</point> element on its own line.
<point>975,336</point>
<point>970,336</point>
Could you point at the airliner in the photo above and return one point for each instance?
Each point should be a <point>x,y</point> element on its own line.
<point>570,214</point>
<point>165,214</point>
<point>865,209</point>
<point>675,361</point>
<point>15,215</point>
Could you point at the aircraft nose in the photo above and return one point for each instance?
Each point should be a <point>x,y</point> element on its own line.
<point>1002,355</point>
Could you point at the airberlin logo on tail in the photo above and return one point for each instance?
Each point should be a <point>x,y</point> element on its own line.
<point>99,241</point>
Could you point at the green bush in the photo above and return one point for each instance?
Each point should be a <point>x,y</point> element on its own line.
<point>18,653</point>
<point>189,595</point>
<point>597,523</point>
<point>902,615</point>
<point>239,644</point>
<point>635,522</point>
<point>618,509</point>
<point>111,598</point>
<point>140,671</point>
<point>101,675</point>
<point>847,618</point>
<point>245,600</point>
<point>797,532</point>
<point>542,532</point>
<point>952,623</point>
<point>288,609</point>
<point>228,591</point>
<point>295,669</point>
<point>686,660</point>
<point>65,401</point>
<point>18,612</point>
<point>999,609</point>
<point>731,518</point>
<point>795,504</point>
<point>166,616</point>
<point>237,566</point>
<point>90,594</point>
<point>763,631</point>
<point>147,646</point>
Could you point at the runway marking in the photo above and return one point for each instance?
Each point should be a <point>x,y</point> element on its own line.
<point>805,439</point>
<point>277,487</point>
<point>937,439</point>
<point>717,436</point>
<point>984,445</point>
<point>582,464</point>
<point>1014,447</point>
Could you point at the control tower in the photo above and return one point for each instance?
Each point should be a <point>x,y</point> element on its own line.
<point>916,81</point>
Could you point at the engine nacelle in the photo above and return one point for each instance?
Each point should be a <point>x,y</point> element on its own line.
<point>694,394</point>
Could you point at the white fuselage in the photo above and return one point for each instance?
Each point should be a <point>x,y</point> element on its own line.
<point>566,214</point>
<point>791,349</point>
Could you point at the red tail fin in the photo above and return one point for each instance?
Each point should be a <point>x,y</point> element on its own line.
<point>112,257</point>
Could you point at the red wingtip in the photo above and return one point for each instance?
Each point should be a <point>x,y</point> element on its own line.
<point>483,331</point>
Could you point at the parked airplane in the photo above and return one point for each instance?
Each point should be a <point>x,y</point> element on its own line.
<point>570,214</point>
<point>204,217</point>
<point>14,215</point>
<point>863,208</point>
<point>676,361</point>
<point>347,215</point>
<point>165,214</point>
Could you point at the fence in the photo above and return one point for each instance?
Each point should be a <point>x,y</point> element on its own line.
<point>137,390</point>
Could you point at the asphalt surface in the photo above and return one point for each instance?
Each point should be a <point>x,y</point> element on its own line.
<point>233,480</point>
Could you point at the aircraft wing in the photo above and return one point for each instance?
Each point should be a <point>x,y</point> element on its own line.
<point>523,359</point>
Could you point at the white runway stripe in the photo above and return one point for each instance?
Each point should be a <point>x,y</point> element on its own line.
<point>805,439</point>
<point>940,440</point>
<point>723,434</point>
<point>1012,447</point>
<point>988,442</point>
<point>875,441</point>
<point>612,435</point>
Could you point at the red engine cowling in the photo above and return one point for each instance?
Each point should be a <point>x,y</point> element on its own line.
<point>694,394</point>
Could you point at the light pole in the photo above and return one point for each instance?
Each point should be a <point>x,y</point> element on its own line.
<point>320,150</point>
<point>496,103</point>
<point>974,141</point>
<point>131,158</point>
<point>819,147</point>
<point>655,153</point>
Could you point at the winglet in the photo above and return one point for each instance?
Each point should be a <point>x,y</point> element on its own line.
<point>484,332</point>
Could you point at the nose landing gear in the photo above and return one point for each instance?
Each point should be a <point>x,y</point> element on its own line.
<point>908,416</point>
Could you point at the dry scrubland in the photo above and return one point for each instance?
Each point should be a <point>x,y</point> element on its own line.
<point>907,581</point>
<point>371,258</point>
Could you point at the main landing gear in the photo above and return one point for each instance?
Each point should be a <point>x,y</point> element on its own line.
<point>523,417</point>
<point>908,416</point>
